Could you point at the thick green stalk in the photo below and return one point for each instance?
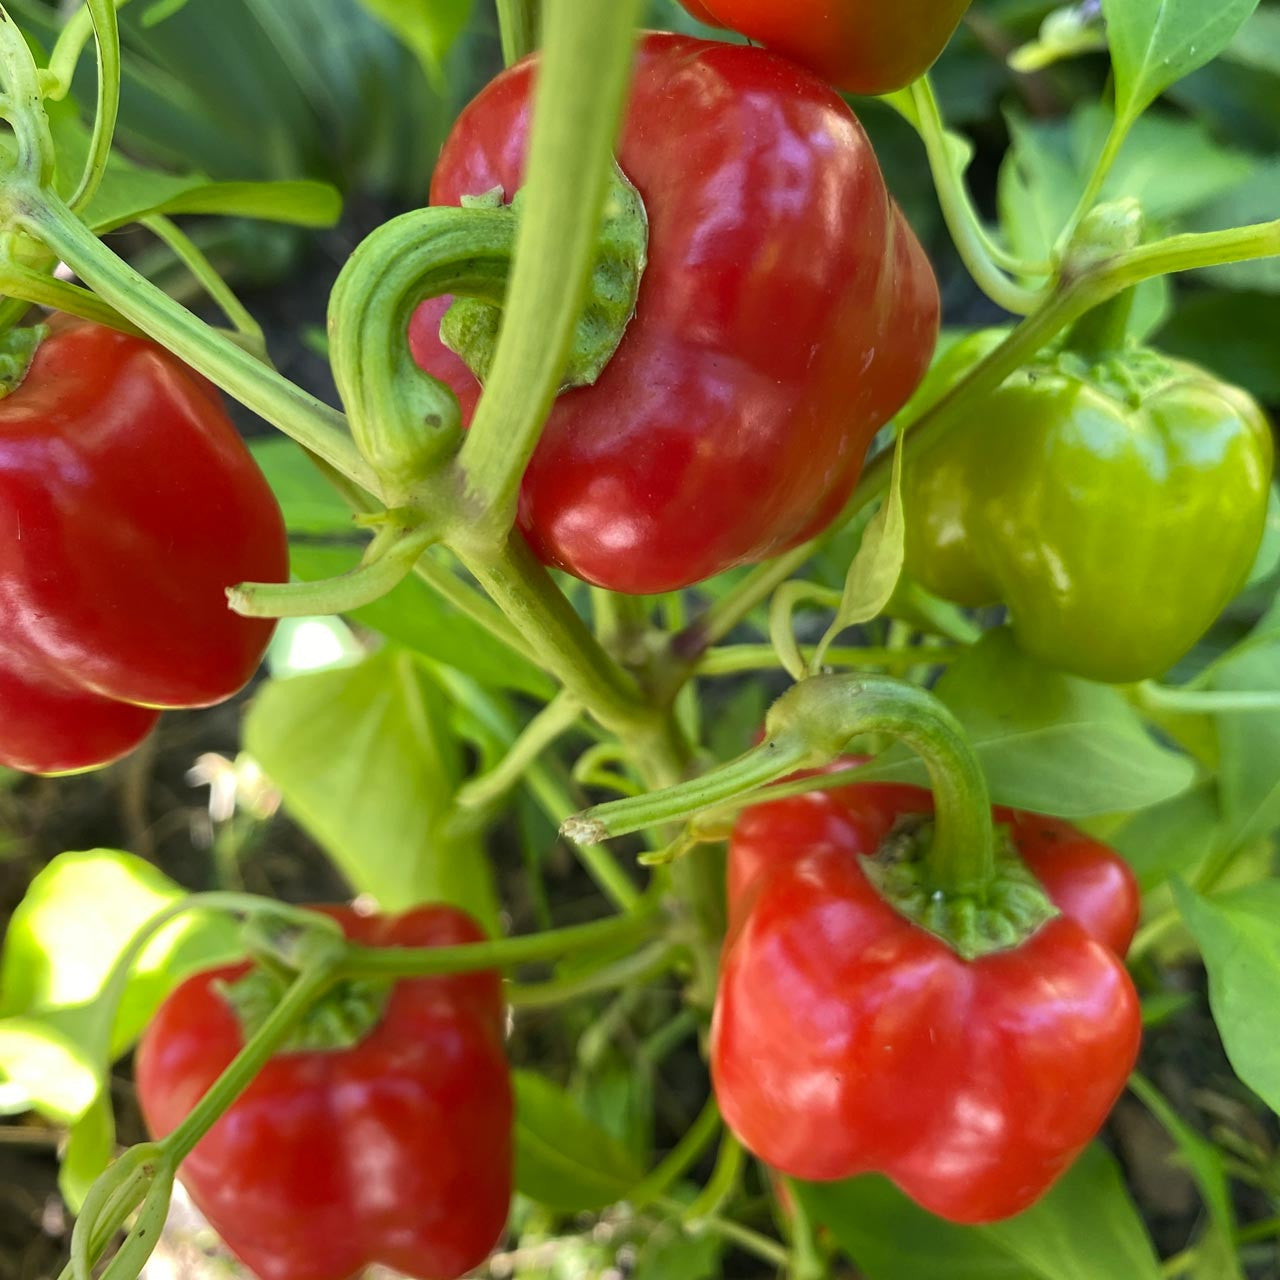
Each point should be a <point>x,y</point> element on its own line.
<point>811,725</point>
<point>504,953</point>
<point>309,421</point>
<point>582,84</point>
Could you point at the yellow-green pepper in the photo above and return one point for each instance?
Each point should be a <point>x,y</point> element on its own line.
<point>1114,505</point>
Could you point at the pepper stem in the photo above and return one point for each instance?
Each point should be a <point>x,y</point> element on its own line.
<point>809,726</point>
<point>1104,330</point>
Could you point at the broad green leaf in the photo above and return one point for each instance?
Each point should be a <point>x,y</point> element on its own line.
<point>58,1035</point>
<point>1154,43</point>
<point>428,27</point>
<point>78,916</point>
<point>1172,838</point>
<point>129,192</point>
<point>874,573</point>
<point>1238,937</point>
<point>1249,743</point>
<point>366,761</point>
<point>563,1159</point>
<point>890,1238</point>
<point>1237,335</point>
<point>668,1254</point>
<point>1048,742</point>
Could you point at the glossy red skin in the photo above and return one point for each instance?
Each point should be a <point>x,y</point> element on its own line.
<point>397,1151</point>
<point>128,504</point>
<point>787,311</point>
<point>847,1040</point>
<point>861,46</point>
<point>1086,879</point>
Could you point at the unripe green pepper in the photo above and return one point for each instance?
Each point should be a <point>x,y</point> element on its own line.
<point>1115,505</point>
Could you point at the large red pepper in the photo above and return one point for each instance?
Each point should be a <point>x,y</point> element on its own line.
<point>847,1039</point>
<point>785,314</point>
<point>861,46</point>
<point>128,504</point>
<point>396,1150</point>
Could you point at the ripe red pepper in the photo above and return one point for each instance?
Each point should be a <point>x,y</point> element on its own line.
<point>847,1039</point>
<point>785,314</point>
<point>128,504</point>
<point>861,46</point>
<point>394,1151</point>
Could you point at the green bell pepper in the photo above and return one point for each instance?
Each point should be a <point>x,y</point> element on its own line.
<point>1115,505</point>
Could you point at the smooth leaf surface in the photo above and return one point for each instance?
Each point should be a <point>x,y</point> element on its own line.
<point>1048,742</point>
<point>1249,746</point>
<point>428,27</point>
<point>877,566</point>
<point>891,1238</point>
<point>1154,43</point>
<point>1172,838</point>
<point>1240,942</point>
<point>366,762</point>
<point>563,1159</point>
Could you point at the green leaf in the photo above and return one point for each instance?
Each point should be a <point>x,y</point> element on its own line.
<point>874,573</point>
<point>1238,937</point>
<point>564,1160</point>
<point>890,1238</point>
<point>1048,742</point>
<point>669,1254</point>
<point>57,1034</point>
<point>366,761</point>
<point>78,916</point>
<point>1249,748</point>
<point>1172,838</point>
<point>1237,335</point>
<point>427,27</point>
<point>1154,43</point>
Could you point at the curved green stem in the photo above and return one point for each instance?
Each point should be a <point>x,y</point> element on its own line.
<point>106,31</point>
<point>23,107</point>
<point>811,725</point>
<point>555,719</point>
<point>582,84</point>
<point>723,1184</point>
<point>384,567</point>
<point>524,591</point>
<point>518,22</point>
<point>697,1138</point>
<point>983,258</point>
<point>405,421</point>
<point>637,968</point>
<point>1209,702</point>
<point>505,953</point>
<point>1111,149</point>
<point>190,255</point>
<point>307,420</point>
<point>21,282</point>
<point>309,986</point>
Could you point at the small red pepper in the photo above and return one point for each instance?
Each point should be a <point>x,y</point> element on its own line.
<point>848,1039</point>
<point>128,504</point>
<point>861,46</point>
<point>786,313</point>
<point>393,1150</point>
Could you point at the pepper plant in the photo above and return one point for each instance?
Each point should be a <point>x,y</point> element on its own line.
<point>639,398</point>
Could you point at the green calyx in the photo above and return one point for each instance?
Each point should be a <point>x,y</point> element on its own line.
<point>1003,916</point>
<point>341,1019</point>
<point>471,325</point>
<point>17,350</point>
